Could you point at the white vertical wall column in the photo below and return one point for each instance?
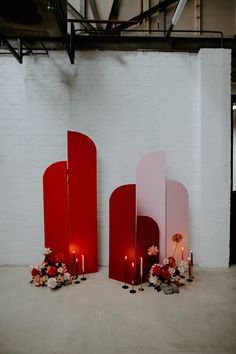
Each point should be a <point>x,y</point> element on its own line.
<point>214,110</point>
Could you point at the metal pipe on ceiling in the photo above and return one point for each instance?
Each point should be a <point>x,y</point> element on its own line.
<point>178,12</point>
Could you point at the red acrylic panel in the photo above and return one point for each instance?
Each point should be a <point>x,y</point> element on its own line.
<point>55,209</point>
<point>147,235</point>
<point>82,200</point>
<point>122,228</point>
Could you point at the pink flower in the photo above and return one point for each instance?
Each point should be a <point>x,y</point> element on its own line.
<point>153,250</point>
<point>37,281</point>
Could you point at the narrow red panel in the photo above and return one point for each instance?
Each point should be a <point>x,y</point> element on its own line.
<point>82,198</point>
<point>122,232</point>
<point>147,235</point>
<point>55,208</point>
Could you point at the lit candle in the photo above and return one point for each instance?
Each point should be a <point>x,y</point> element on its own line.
<point>82,263</point>
<point>191,255</point>
<point>73,258</point>
<point>132,273</point>
<point>182,253</point>
<point>141,267</point>
<point>132,291</point>
<point>76,268</point>
<point>125,267</point>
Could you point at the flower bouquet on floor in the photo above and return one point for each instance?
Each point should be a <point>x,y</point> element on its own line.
<point>168,276</point>
<point>51,272</point>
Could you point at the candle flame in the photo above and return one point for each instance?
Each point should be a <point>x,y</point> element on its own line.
<point>73,252</point>
<point>133,264</point>
<point>77,260</point>
<point>126,258</point>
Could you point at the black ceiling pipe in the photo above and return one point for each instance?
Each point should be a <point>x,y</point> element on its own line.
<point>20,11</point>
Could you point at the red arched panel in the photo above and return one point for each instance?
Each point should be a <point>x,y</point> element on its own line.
<point>55,208</point>
<point>82,199</point>
<point>122,232</point>
<point>147,235</point>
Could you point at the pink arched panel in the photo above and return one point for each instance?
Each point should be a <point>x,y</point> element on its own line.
<point>177,219</point>
<point>151,193</point>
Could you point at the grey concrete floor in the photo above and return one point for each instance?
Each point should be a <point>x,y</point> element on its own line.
<point>98,316</point>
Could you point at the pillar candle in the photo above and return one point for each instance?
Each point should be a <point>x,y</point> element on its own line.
<point>82,263</point>
<point>132,273</point>
<point>191,255</point>
<point>141,267</point>
<point>76,267</point>
<point>73,258</point>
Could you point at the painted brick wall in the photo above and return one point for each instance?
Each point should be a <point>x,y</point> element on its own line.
<point>129,103</point>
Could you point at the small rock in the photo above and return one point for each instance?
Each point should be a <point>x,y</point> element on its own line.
<point>168,289</point>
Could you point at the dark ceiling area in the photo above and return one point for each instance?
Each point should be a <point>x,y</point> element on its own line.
<point>28,26</point>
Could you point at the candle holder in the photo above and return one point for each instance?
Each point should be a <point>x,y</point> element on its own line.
<point>141,285</point>
<point>190,277</point>
<point>141,288</point>
<point>132,291</point>
<point>77,281</point>
<point>125,286</point>
<point>83,278</point>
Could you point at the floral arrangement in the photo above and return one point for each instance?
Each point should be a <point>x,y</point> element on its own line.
<point>51,272</point>
<point>167,276</point>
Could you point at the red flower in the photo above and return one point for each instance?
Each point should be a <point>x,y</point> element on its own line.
<point>34,272</point>
<point>52,271</point>
<point>156,270</point>
<point>59,257</point>
<point>177,237</point>
<point>49,258</point>
<point>166,274</point>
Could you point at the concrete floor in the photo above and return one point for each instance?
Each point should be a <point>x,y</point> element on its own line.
<point>98,316</point>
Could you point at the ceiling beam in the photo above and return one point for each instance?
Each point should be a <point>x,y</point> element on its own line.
<point>78,16</point>
<point>113,13</point>
<point>157,8</point>
<point>95,13</point>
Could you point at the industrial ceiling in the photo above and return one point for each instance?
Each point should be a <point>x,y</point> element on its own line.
<point>35,26</point>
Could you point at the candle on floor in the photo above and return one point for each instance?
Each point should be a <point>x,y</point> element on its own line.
<point>132,291</point>
<point>73,258</point>
<point>82,263</point>
<point>141,274</point>
<point>191,256</point>
<point>76,268</point>
<point>125,286</point>
<point>141,267</point>
<point>182,253</point>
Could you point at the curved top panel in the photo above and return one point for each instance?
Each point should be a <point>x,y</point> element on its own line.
<point>82,138</point>
<point>177,219</point>
<point>82,198</point>
<point>151,193</point>
<point>52,168</point>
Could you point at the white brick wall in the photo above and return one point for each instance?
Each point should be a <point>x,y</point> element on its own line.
<point>129,103</point>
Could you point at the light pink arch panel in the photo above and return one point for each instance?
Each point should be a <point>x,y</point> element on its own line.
<point>177,218</point>
<point>151,193</point>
